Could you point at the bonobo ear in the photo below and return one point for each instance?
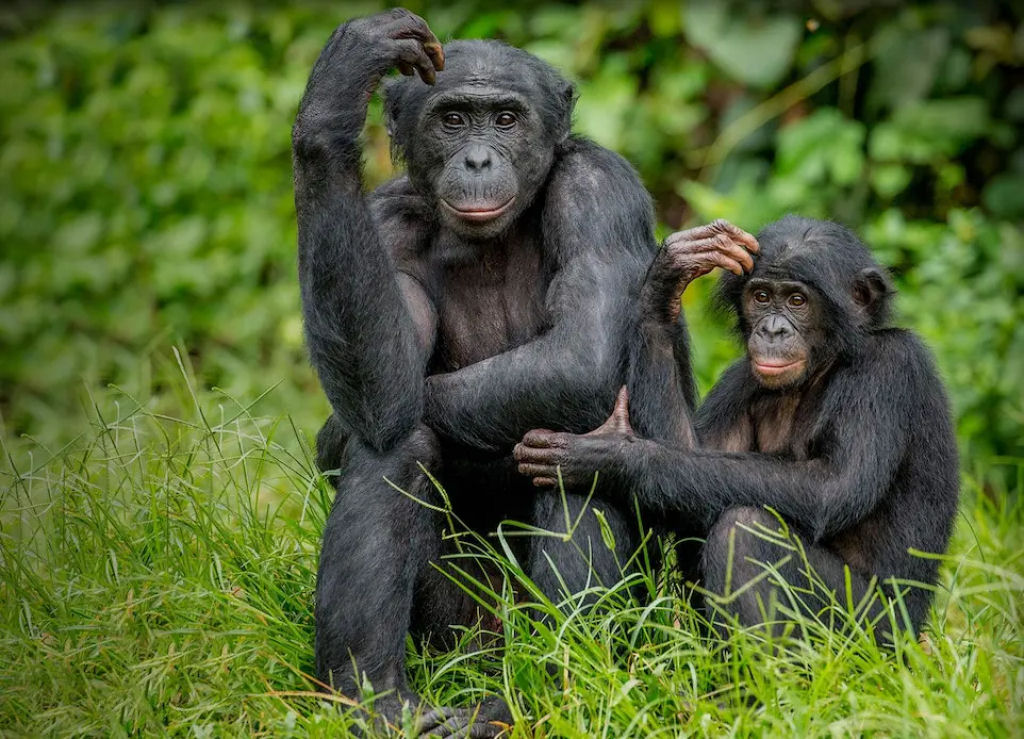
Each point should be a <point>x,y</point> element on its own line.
<point>871,292</point>
<point>568,103</point>
<point>391,92</point>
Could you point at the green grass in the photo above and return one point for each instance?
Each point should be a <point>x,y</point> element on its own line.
<point>156,576</point>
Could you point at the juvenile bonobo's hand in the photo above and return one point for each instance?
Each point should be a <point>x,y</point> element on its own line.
<point>689,254</point>
<point>542,453</point>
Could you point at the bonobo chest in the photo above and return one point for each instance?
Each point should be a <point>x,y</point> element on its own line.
<point>493,301</point>
<point>782,424</point>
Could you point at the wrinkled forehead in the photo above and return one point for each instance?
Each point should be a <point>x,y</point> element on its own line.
<point>484,72</point>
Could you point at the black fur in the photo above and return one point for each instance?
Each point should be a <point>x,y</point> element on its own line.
<point>440,341</point>
<point>856,453</point>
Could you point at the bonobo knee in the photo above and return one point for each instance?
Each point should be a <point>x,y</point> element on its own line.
<point>737,529</point>
<point>422,445</point>
<point>739,519</point>
<point>330,444</point>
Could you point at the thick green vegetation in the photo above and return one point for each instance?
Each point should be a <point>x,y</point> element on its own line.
<point>159,513</point>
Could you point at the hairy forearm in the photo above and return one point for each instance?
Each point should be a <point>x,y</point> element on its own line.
<point>701,484</point>
<point>660,383</point>
<point>492,403</point>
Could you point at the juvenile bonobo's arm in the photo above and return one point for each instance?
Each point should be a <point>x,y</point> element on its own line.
<point>598,240</point>
<point>661,387</point>
<point>368,351</point>
<point>824,495</point>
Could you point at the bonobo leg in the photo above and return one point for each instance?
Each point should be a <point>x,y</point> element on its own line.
<point>747,553</point>
<point>583,561</point>
<point>374,543</point>
<point>376,573</point>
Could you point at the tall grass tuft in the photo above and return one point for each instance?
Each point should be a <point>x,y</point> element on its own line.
<point>156,577</point>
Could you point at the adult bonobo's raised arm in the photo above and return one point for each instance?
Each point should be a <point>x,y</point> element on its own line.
<point>488,290</point>
<point>836,422</point>
<point>368,326</point>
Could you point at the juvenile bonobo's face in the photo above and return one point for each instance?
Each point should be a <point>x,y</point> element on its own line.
<point>490,159</point>
<point>784,317</point>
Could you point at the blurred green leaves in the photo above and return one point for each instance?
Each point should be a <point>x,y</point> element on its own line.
<point>145,175</point>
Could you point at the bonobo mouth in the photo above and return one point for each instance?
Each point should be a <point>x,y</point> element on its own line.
<point>478,213</point>
<point>773,367</point>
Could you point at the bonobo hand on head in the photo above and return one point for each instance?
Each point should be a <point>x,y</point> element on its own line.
<point>689,254</point>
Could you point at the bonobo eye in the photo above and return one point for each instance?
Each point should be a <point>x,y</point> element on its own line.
<point>504,119</point>
<point>796,300</point>
<point>453,120</point>
<point>762,296</point>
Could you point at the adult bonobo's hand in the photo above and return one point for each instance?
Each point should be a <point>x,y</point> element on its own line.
<point>357,55</point>
<point>396,38</point>
<point>689,254</point>
<point>542,453</point>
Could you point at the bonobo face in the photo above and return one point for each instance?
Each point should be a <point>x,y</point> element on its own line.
<point>490,158</point>
<point>785,327</point>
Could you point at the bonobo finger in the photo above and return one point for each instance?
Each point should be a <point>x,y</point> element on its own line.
<point>684,254</point>
<point>478,730</point>
<point>543,439</point>
<point>411,52</point>
<point>545,482</point>
<point>435,52</point>
<point>683,249</point>
<point>711,230</point>
<point>737,253</point>
<point>537,454</point>
<point>726,263</point>
<point>405,68</point>
<point>707,231</point>
<point>533,469</point>
<point>461,723</point>
<point>523,452</point>
<point>737,234</point>
<point>434,719</point>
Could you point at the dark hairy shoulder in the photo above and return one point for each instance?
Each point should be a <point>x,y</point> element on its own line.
<point>598,193</point>
<point>402,216</point>
<point>585,164</point>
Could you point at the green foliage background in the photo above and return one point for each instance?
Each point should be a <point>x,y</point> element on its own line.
<point>156,574</point>
<point>145,186</point>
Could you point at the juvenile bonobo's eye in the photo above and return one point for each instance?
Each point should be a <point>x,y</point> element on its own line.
<point>797,300</point>
<point>762,297</point>
<point>505,119</point>
<point>453,121</point>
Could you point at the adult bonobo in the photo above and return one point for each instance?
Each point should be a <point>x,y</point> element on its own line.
<point>836,422</point>
<point>484,293</point>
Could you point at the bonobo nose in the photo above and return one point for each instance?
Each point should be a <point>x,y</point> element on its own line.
<point>775,328</point>
<point>478,158</point>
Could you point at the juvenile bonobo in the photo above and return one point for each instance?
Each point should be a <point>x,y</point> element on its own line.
<point>485,292</point>
<point>836,422</point>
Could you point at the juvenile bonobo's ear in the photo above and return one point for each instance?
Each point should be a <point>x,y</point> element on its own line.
<point>618,421</point>
<point>872,290</point>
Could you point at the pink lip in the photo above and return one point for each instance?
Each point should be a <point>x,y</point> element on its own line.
<point>771,368</point>
<point>479,215</point>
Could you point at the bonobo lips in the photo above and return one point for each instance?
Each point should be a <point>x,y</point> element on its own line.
<point>772,367</point>
<point>479,213</point>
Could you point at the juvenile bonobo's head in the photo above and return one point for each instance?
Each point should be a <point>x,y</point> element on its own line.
<point>813,296</point>
<point>480,142</point>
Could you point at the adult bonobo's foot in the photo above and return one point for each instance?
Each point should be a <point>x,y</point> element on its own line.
<point>490,719</point>
<point>487,720</point>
